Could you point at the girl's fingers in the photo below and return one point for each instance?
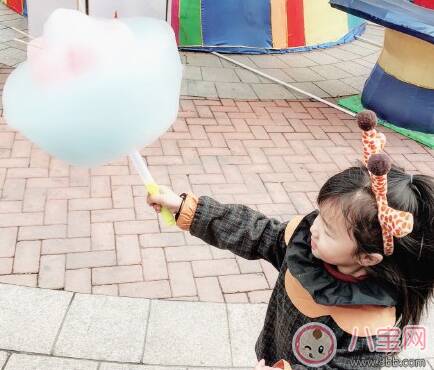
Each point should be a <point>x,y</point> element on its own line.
<point>260,365</point>
<point>150,200</point>
<point>157,198</point>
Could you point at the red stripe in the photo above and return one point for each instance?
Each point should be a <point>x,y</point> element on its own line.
<point>343,277</point>
<point>16,5</point>
<point>295,14</point>
<point>175,18</point>
<point>425,3</point>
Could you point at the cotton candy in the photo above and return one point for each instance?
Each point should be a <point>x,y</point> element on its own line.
<point>93,90</point>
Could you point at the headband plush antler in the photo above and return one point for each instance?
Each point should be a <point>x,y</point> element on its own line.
<point>393,223</point>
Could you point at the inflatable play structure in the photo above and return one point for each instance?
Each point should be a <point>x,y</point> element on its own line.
<point>261,26</point>
<point>38,11</point>
<point>241,26</point>
<point>425,3</point>
<point>20,6</point>
<point>400,88</point>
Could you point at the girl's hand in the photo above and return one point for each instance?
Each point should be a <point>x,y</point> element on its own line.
<point>167,198</point>
<point>261,366</point>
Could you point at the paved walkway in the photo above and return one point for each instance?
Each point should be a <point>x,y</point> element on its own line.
<point>87,231</point>
<point>334,72</point>
<point>50,330</point>
<point>58,330</point>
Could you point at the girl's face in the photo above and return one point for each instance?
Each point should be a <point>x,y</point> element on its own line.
<point>330,239</point>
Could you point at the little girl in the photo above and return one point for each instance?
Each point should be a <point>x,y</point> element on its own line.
<point>360,264</point>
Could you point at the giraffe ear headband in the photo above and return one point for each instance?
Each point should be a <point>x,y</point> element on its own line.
<point>394,223</point>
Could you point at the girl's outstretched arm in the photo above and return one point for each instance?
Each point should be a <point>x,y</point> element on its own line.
<point>238,228</point>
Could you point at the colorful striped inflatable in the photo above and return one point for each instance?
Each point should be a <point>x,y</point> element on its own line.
<point>400,89</point>
<point>20,6</point>
<point>261,26</point>
<point>425,3</point>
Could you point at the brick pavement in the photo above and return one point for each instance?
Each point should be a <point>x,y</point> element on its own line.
<point>91,231</point>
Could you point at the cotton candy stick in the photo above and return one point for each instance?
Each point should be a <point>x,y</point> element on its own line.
<point>150,184</point>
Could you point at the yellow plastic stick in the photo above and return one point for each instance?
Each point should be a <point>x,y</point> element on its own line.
<point>150,185</point>
<point>153,189</point>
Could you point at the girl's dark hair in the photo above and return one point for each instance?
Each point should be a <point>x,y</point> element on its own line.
<point>411,266</point>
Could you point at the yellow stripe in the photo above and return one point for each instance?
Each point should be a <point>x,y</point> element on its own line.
<point>279,24</point>
<point>408,58</point>
<point>322,23</point>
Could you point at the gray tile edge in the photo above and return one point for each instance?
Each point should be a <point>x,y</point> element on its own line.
<point>73,297</point>
<point>53,347</point>
<point>99,364</point>
<point>228,306</point>
<point>34,294</point>
<point>85,300</point>
<point>229,334</point>
<point>147,330</point>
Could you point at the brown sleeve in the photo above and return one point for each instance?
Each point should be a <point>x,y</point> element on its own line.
<point>187,212</point>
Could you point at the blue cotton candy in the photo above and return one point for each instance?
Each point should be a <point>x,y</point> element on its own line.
<point>93,90</point>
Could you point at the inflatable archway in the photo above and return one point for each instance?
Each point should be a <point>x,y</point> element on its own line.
<point>261,26</point>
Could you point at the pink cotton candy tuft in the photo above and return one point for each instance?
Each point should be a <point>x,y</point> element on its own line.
<point>50,68</point>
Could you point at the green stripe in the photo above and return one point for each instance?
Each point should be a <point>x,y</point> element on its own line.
<point>354,104</point>
<point>190,27</point>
